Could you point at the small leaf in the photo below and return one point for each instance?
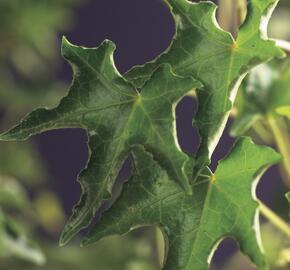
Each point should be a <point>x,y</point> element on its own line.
<point>203,50</point>
<point>116,117</point>
<point>221,205</point>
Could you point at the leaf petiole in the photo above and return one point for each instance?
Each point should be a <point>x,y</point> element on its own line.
<point>282,142</point>
<point>283,44</point>
<point>277,221</point>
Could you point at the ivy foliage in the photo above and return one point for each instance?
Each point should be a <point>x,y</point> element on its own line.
<point>135,114</point>
<point>211,55</point>
<point>221,205</point>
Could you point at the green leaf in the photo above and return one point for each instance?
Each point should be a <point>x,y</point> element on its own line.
<point>116,117</point>
<point>130,253</point>
<point>12,194</point>
<point>20,24</point>
<point>202,50</point>
<point>22,161</point>
<point>221,205</point>
<point>276,246</point>
<point>284,111</point>
<point>14,242</point>
<point>265,91</point>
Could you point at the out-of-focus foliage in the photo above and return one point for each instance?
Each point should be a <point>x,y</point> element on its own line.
<point>22,161</point>
<point>122,253</point>
<point>25,96</point>
<point>12,194</point>
<point>28,31</point>
<point>277,247</point>
<point>14,240</point>
<point>265,91</point>
<point>29,53</point>
<point>279,26</point>
<point>28,59</point>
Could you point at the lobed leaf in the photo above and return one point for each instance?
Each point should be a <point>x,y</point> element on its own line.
<point>116,117</point>
<point>202,50</point>
<point>222,205</point>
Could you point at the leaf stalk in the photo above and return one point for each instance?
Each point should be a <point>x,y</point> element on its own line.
<point>283,44</point>
<point>277,221</point>
<point>282,143</point>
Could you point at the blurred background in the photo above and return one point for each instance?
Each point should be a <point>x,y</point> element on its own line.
<point>38,185</point>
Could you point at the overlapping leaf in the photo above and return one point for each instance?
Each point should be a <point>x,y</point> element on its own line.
<point>116,117</point>
<point>266,91</point>
<point>221,205</point>
<point>202,50</point>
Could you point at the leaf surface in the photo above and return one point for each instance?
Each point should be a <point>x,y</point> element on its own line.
<point>221,205</point>
<point>116,117</point>
<point>202,50</point>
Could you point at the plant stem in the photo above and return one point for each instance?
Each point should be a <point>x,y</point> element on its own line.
<point>275,219</point>
<point>282,143</point>
<point>231,14</point>
<point>283,44</point>
<point>262,132</point>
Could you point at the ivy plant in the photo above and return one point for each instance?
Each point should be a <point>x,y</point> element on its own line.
<point>134,115</point>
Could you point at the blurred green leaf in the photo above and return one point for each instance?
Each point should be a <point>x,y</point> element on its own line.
<point>49,212</point>
<point>284,111</point>
<point>17,99</point>
<point>14,242</point>
<point>275,244</point>
<point>265,90</point>
<point>12,194</point>
<point>122,253</point>
<point>22,161</point>
<point>279,24</point>
<point>28,31</point>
